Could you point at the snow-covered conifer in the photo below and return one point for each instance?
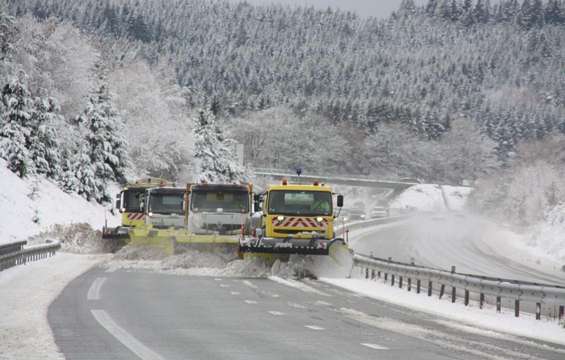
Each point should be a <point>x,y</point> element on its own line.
<point>215,160</point>
<point>44,147</point>
<point>15,126</point>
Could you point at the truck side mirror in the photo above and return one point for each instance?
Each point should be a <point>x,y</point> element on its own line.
<point>340,201</point>
<point>256,202</point>
<point>119,202</point>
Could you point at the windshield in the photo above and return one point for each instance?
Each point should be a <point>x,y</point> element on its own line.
<point>133,200</point>
<point>167,203</point>
<point>292,202</point>
<point>228,201</point>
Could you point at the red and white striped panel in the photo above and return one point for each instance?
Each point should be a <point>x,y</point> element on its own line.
<point>136,216</point>
<point>299,222</point>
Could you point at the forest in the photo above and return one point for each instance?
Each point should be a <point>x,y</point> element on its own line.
<point>449,91</point>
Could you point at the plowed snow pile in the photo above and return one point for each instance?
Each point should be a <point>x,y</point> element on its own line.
<point>199,263</point>
<point>76,238</point>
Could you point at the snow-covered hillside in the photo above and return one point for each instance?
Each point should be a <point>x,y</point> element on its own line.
<point>29,206</point>
<point>548,237</point>
<point>431,197</point>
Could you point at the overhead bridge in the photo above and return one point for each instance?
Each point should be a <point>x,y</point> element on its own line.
<point>336,180</point>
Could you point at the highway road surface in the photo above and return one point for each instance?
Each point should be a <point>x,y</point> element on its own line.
<point>473,245</point>
<point>143,315</point>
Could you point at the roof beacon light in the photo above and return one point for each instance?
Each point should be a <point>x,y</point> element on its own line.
<point>316,183</point>
<point>285,182</point>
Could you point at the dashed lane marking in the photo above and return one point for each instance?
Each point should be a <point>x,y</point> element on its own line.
<point>321,302</point>
<point>134,345</point>
<point>94,290</point>
<point>276,313</point>
<point>235,292</point>
<point>250,302</point>
<point>224,285</point>
<point>375,346</point>
<point>314,327</point>
<point>250,284</point>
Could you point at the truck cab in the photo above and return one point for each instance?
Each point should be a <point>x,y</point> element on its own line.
<point>165,207</point>
<point>295,218</point>
<point>222,209</point>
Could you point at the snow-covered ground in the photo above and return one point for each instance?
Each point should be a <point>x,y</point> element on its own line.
<point>471,317</point>
<point>24,200</point>
<point>25,295</point>
<point>548,238</point>
<point>431,198</point>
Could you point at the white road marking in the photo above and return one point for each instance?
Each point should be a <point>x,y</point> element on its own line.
<point>251,301</point>
<point>250,284</point>
<point>275,295</point>
<point>224,285</point>
<point>375,346</point>
<point>218,279</point>
<point>111,269</point>
<point>235,292</point>
<point>297,306</point>
<point>276,313</point>
<point>324,303</point>
<point>298,285</point>
<point>314,327</point>
<point>94,290</point>
<point>142,351</point>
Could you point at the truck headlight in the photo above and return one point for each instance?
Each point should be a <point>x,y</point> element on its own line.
<point>150,214</point>
<point>280,218</point>
<point>319,219</point>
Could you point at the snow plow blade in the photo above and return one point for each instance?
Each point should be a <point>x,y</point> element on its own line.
<point>290,246</point>
<point>117,233</point>
<point>178,240</point>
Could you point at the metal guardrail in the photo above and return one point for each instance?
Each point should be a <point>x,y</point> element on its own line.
<point>16,254</point>
<point>417,277</point>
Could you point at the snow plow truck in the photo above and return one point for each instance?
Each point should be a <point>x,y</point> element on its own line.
<point>294,219</point>
<point>130,202</point>
<point>203,217</point>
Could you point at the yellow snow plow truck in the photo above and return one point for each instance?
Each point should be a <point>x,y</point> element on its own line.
<point>130,202</point>
<point>294,219</point>
<point>203,217</point>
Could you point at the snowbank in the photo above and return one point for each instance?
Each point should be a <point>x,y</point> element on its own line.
<point>431,198</point>
<point>24,330</point>
<point>505,322</point>
<point>549,236</point>
<point>30,206</point>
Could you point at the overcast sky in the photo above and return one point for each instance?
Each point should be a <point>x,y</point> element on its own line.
<point>377,8</point>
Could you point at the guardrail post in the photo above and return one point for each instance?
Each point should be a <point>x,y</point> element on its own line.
<point>386,277</point>
<point>453,294</point>
<point>538,311</point>
<point>400,282</point>
<point>418,285</point>
<point>392,280</point>
<point>366,273</point>
<point>481,300</point>
<point>372,274</point>
<point>561,312</point>
<point>441,291</point>
<point>430,289</point>
<point>453,269</point>
<point>466,297</point>
<point>409,284</point>
<point>517,308</point>
<point>498,304</point>
<point>379,274</point>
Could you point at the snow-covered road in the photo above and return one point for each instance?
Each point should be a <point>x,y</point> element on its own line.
<point>472,244</point>
<point>25,294</point>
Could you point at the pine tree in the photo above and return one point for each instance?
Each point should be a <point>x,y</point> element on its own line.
<point>105,147</point>
<point>43,144</point>
<point>214,159</point>
<point>15,126</point>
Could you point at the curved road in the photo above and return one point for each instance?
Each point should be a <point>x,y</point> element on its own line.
<point>473,245</point>
<point>142,315</point>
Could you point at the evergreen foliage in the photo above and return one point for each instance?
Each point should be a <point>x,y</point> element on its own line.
<point>214,159</point>
<point>102,157</point>
<point>423,67</point>
<point>15,126</point>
